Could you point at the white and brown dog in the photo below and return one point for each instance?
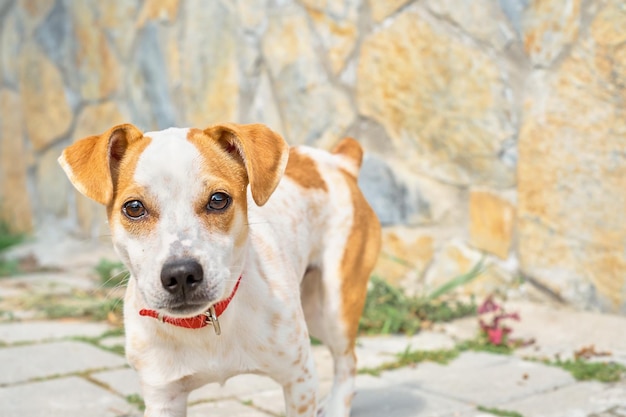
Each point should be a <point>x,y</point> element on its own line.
<point>208,255</point>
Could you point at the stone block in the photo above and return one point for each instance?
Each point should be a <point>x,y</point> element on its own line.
<point>389,194</point>
<point>571,227</point>
<point>313,110</point>
<point>118,22</point>
<point>403,258</point>
<point>164,11</point>
<point>97,66</point>
<point>442,101</point>
<point>208,86</point>
<point>24,363</point>
<point>65,397</point>
<point>35,11</point>
<point>382,9</point>
<point>483,20</point>
<point>15,205</point>
<point>336,25</point>
<point>456,258</point>
<point>148,87</point>
<point>52,186</point>
<point>35,331</point>
<point>47,114</point>
<point>264,108</point>
<point>549,27</point>
<point>492,218</point>
<point>12,36</point>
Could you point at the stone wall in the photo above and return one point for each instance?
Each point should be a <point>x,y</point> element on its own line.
<point>493,128</point>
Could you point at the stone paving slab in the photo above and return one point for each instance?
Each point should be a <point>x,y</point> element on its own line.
<point>563,330</point>
<point>272,401</point>
<point>123,381</point>
<point>112,341</point>
<point>395,344</point>
<point>64,397</point>
<point>45,330</point>
<point>468,379</point>
<point>375,397</point>
<point>224,408</point>
<point>22,363</point>
<point>237,386</point>
<point>51,282</point>
<point>576,400</point>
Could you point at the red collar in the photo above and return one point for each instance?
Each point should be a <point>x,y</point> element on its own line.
<point>199,321</point>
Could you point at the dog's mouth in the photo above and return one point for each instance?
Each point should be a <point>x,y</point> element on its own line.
<point>186,309</point>
<point>186,306</point>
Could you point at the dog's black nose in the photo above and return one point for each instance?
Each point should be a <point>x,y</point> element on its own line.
<point>181,276</point>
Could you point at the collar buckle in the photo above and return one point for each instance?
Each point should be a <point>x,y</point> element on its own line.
<point>211,318</point>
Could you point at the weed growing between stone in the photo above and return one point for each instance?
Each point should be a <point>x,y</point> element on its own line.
<point>413,357</point>
<point>389,310</point>
<point>96,305</point>
<point>112,273</point>
<point>584,370</point>
<point>8,238</point>
<point>136,400</point>
<point>498,412</point>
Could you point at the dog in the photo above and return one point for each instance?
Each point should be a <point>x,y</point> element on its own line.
<point>239,249</point>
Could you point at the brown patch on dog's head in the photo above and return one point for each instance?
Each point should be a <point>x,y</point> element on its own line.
<point>262,152</point>
<point>93,164</point>
<point>229,175</point>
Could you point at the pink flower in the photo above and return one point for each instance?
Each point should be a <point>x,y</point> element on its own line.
<point>495,336</point>
<point>488,306</point>
<point>491,320</point>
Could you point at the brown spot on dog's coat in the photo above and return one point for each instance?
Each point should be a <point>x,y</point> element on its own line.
<point>360,254</point>
<point>351,148</point>
<point>303,170</point>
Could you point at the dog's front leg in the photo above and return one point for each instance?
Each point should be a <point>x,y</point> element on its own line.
<point>165,401</point>
<point>301,393</point>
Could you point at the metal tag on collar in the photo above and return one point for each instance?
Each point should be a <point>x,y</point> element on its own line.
<point>211,317</point>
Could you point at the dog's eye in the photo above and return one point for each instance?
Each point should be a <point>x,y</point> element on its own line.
<point>219,201</point>
<point>134,209</point>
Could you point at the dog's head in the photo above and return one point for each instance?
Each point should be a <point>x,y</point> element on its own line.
<point>177,203</point>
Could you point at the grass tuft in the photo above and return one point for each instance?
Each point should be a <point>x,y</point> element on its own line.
<point>388,310</point>
<point>136,400</point>
<point>112,273</point>
<point>412,358</point>
<point>499,412</point>
<point>8,238</point>
<point>584,370</point>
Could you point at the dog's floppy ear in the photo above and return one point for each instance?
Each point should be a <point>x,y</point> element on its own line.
<point>92,163</point>
<point>264,153</point>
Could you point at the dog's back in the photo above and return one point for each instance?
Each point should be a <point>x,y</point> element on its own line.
<point>334,240</point>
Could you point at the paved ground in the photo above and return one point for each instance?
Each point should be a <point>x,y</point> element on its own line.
<point>68,368</point>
